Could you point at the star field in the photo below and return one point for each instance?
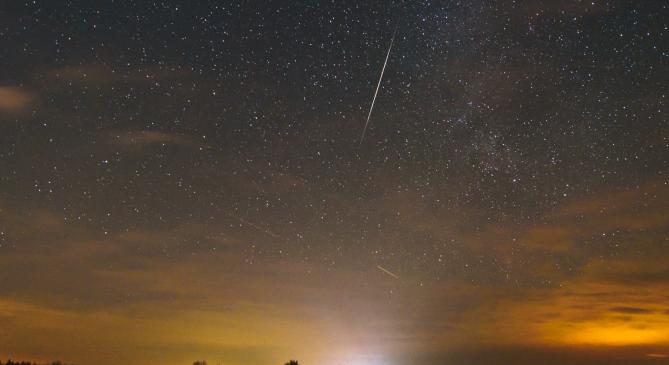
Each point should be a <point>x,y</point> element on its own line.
<point>195,166</point>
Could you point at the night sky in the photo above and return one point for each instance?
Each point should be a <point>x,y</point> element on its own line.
<point>184,180</point>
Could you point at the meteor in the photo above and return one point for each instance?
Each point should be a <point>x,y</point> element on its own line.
<point>254,226</point>
<point>386,271</point>
<point>378,86</point>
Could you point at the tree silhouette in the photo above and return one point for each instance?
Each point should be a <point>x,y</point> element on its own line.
<point>292,362</point>
<point>12,362</point>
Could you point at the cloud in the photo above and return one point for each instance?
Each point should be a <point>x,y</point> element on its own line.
<point>169,290</point>
<point>556,355</point>
<point>591,308</point>
<point>631,310</point>
<point>602,265</point>
<point>210,283</point>
<point>15,99</point>
<point>135,139</point>
<point>644,270</point>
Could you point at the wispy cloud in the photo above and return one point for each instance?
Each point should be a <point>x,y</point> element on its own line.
<point>134,139</point>
<point>15,99</point>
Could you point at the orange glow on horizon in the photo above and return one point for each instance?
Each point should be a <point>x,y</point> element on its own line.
<point>618,335</point>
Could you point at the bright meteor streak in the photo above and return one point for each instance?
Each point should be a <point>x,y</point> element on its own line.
<point>378,86</point>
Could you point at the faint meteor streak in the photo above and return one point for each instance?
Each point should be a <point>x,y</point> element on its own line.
<point>253,225</point>
<point>386,271</point>
<point>378,86</point>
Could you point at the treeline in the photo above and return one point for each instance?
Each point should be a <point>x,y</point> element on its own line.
<point>12,362</point>
<point>202,362</point>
